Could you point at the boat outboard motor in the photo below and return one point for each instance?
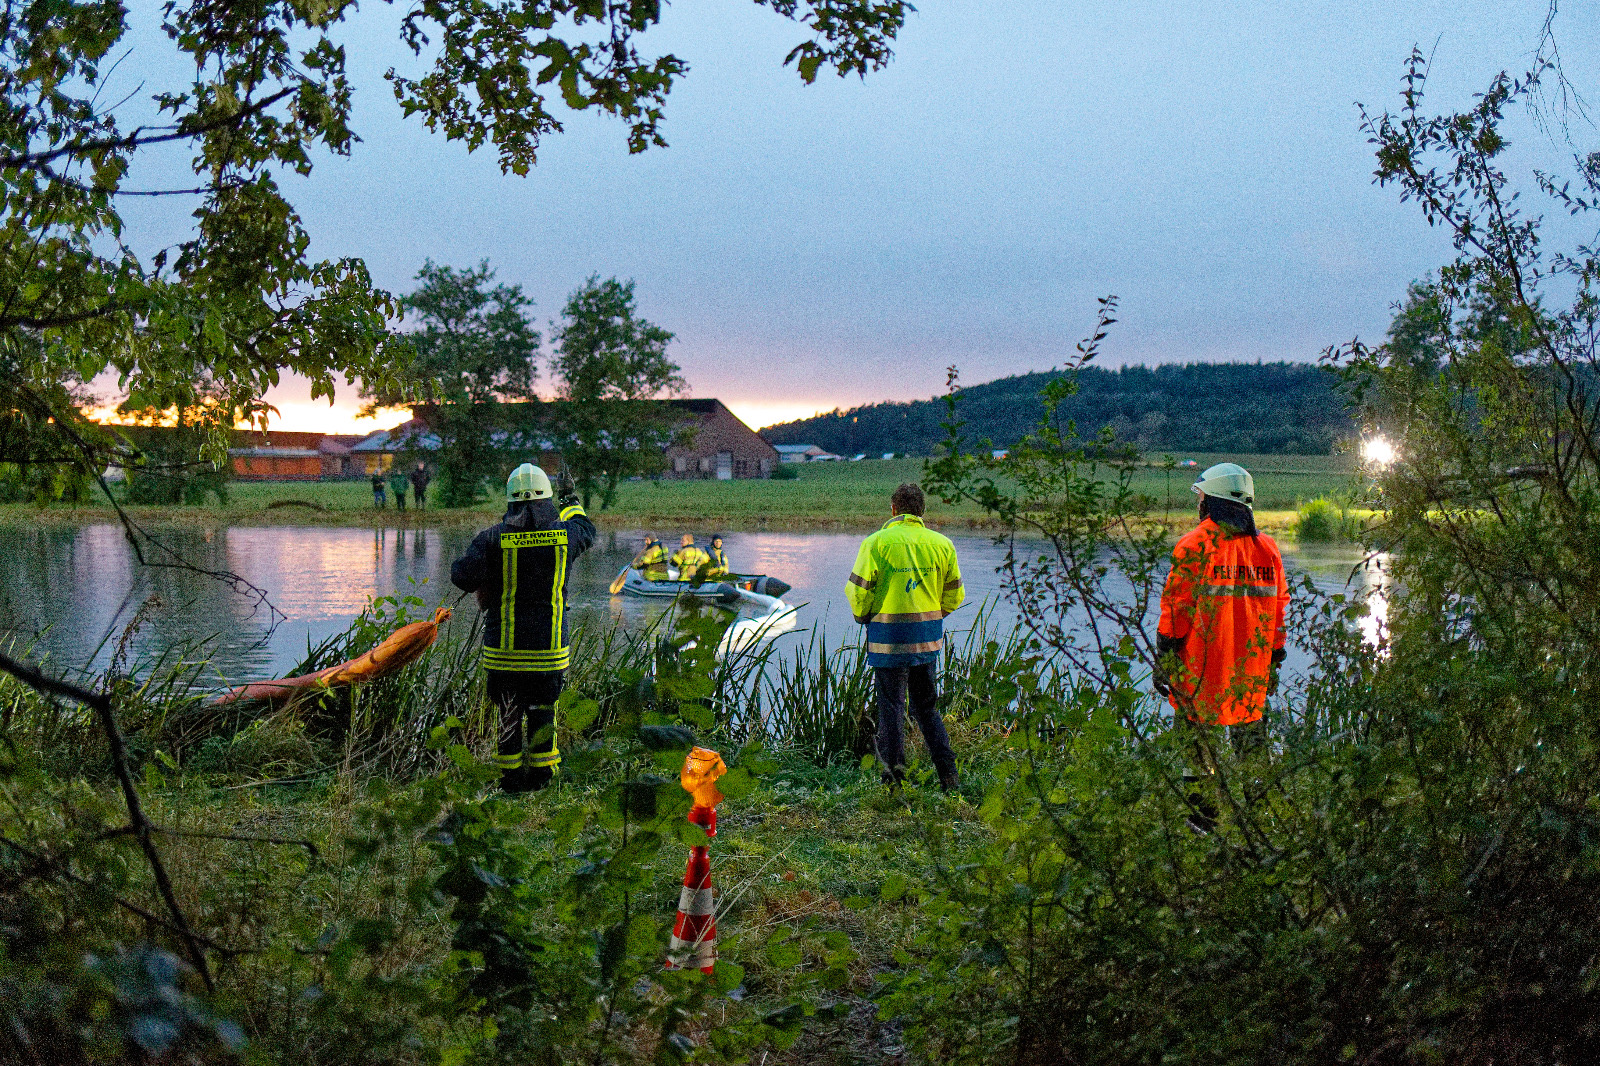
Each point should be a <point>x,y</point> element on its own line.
<point>771,586</point>
<point>727,594</point>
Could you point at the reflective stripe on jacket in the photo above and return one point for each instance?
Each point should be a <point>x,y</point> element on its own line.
<point>1224,599</point>
<point>652,563</point>
<point>906,579</point>
<point>522,565</point>
<point>689,561</point>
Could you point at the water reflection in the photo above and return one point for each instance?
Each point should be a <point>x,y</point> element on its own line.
<point>68,588</point>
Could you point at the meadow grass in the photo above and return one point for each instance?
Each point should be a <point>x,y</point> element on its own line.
<point>825,496</point>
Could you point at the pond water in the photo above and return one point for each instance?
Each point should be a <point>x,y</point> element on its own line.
<point>66,593</point>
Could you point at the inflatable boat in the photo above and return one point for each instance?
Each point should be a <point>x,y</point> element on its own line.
<point>758,591</point>
<point>729,591</point>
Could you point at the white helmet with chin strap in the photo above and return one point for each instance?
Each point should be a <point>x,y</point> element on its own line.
<point>527,482</point>
<point>1228,481</point>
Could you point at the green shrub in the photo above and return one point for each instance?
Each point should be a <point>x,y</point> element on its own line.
<point>1322,520</point>
<point>785,471</point>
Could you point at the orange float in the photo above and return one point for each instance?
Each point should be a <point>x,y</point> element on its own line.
<point>400,649</point>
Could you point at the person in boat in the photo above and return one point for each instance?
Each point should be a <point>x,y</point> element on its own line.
<point>717,568</point>
<point>690,559</point>
<point>1221,638</point>
<point>518,569</point>
<point>651,561</point>
<point>905,581</point>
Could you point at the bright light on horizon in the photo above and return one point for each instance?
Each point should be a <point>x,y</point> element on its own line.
<point>759,414</point>
<point>1378,451</point>
<point>292,418</point>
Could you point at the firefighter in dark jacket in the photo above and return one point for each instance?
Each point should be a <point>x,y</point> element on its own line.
<point>518,570</point>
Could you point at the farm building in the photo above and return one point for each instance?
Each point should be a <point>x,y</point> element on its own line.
<point>719,445</point>
<point>804,453</point>
<point>722,447</point>
<point>277,455</point>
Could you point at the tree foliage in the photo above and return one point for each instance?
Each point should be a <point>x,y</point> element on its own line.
<point>1408,873</point>
<point>475,347</point>
<point>241,300</point>
<point>611,369</point>
<point>1221,407</point>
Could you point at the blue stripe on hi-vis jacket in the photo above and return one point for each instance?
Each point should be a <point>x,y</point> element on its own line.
<point>904,643</point>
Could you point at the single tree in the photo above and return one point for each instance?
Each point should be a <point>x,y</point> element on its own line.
<point>474,346</point>
<point>612,371</point>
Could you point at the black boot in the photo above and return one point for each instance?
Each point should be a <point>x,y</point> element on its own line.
<point>949,781</point>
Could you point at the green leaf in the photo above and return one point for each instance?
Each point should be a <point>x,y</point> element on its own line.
<point>894,886</point>
<point>726,976</point>
<point>736,784</point>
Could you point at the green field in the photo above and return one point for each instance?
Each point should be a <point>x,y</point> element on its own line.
<point>824,496</point>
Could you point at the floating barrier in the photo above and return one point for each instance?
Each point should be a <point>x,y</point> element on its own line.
<point>400,649</point>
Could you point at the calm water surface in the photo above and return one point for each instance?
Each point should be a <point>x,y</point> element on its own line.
<point>67,593</point>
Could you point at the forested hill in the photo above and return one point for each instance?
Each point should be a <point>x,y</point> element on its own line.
<point>1205,407</point>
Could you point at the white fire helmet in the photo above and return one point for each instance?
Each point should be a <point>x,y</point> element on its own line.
<point>527,482</point>
<point>1228,481</point>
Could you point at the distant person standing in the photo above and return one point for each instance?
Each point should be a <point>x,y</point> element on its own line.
<point>419,484</point>
<point>1221,635</point>
<point>397,486</point>
<point>905,581</point>
<point>378,500</point>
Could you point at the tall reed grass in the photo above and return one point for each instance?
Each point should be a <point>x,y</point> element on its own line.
<point>798,692</point>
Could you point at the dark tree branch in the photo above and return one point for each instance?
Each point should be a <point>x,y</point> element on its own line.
<point>139,822</point>
<point>136,139</point>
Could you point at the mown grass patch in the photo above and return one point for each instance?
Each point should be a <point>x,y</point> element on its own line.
<point>824,496</point>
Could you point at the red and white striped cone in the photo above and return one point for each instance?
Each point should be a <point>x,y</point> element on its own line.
<point>694,934</point>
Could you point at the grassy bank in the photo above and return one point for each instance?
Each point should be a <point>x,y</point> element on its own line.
<point>825,496</point>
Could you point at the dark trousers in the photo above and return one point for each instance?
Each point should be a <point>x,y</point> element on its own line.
<point>400,500</point>
<point>893,683</point>
<point>526,750</point>
<point>1249,738</point>
<point>420,493</point>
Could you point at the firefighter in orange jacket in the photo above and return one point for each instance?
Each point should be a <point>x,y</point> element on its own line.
<point>1221,635</point>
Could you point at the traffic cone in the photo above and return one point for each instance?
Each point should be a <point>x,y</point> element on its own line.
<point>694,933</point>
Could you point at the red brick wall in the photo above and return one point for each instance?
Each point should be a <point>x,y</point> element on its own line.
<point>721,431</point>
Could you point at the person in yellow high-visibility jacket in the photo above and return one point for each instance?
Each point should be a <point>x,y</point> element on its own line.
<point>690,559</point>
<point>651,560</point>
<point>905,581</point>
<point>717,568</point>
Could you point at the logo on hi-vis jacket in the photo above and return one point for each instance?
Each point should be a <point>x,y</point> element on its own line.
<point>1224,572</point>
<point>913,583</point>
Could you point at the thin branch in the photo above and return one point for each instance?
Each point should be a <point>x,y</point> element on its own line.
<point>136,139</point>
<point>100,703</point>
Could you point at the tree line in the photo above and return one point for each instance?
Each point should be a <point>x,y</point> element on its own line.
<point>1274,408</point>
<point>476,368</point>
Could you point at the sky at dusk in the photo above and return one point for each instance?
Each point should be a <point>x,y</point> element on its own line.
<point>843,243</point>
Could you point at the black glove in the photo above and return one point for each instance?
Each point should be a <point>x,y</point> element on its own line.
<point>1165,646</point>
<point>1278,655</point>
<point>564,485</point>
